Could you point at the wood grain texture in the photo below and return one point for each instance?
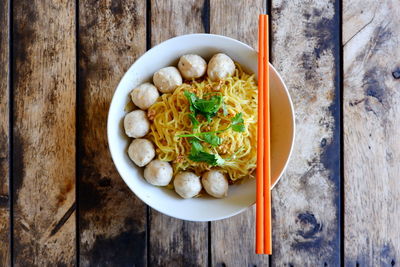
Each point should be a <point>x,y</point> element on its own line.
<point>239,20</point>
<point>306,201</point>
<point>176,17</point>
<point>174,242</point>
<point>44,133</point>
<point>371,39</point>
<point>4,137</point>
<point>112,220</point>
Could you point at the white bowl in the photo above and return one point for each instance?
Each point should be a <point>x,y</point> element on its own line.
<point>167,201</point>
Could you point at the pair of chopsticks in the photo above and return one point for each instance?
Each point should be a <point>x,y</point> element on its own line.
<point>263,199</point>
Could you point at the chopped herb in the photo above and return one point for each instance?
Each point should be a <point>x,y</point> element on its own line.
<point>192,98</point>
<point>192,116</point>
<point>237,123</point>
<point>207,108</point>
<point>198,154</point>
<point>200,134</point>
<point>212,139</point>
<point>194,121</point>
<point>196,146</point>
<point>211,159</point>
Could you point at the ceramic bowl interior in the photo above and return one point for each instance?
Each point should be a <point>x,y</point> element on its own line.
<point>167,201</point>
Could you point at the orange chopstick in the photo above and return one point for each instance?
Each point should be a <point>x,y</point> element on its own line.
<point>267,165</point>
<point>260,143</point>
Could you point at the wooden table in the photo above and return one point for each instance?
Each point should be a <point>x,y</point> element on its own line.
<point>63,203</point>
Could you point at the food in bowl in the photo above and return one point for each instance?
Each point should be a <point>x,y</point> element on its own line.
<point>195,127</point>
<point>163,198</point>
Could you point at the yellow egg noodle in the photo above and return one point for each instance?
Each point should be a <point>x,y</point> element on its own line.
<point>169,118</point>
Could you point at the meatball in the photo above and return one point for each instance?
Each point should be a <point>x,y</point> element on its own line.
<point>192,66</point>
<point>167,79</point>
<point>158,173</point>
<point>187,184</point>
<point>144,95</point>
<point>136,124</point>
<point>141,151</point>
<point>220,67</point>
<point>215,183</point>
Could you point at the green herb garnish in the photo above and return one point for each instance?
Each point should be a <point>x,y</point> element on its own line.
<point>207,108</point>
<point>212,139</point>
<point>198,154</point>
<point>192,99</point>
<point>237,123</point>
<point>211,159</point>
<point>196,146</point>
<point>194,121</point>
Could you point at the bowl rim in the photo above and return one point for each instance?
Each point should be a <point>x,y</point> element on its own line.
<point>138,61</point>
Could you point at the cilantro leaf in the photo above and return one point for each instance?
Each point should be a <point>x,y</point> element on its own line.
<point>208,137</point>
<point>196,146</point>
<point>192,99</point>
<point>211,159</point>
<point>207,108</point>
<point>192,116</point>
<point>197,154</point>
<point>194,120</point>
<point>238,128</point>
<point>219,161</point>
<point>237,123</point>
<point>212,139</point>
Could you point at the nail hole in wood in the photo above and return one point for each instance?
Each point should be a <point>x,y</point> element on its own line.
<point>396,74</point>
<point>323,142</point>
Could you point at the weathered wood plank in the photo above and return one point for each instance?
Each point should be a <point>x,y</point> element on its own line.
<point>306,201</point>
<point>239,20</point>
<point>4,137</point>
<point>371,32</point>
<point>44,133</point>
<point>174,242</point>
<point>112,221</point>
